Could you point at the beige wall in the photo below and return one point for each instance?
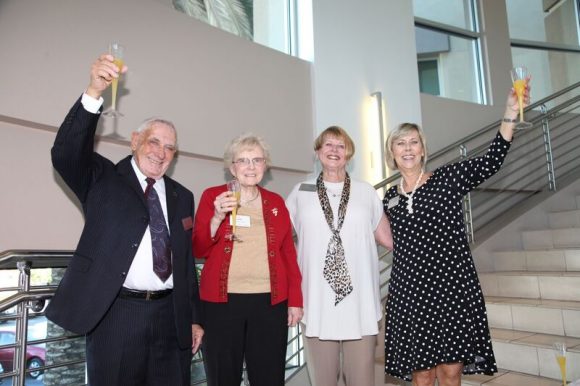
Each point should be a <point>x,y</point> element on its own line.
<point>213,86</point>
<point>211,83</point>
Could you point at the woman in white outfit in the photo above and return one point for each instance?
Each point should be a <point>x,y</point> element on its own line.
<point>338,221</point>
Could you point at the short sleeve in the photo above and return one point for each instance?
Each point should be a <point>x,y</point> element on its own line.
<point>291,204</point>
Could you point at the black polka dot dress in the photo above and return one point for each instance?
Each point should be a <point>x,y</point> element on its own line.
<point>435,309</point>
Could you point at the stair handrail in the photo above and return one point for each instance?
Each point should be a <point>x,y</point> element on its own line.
<point>38,258</point>
<point>477,134</point>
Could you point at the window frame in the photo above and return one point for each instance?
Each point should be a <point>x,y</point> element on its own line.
<point>475,36</point>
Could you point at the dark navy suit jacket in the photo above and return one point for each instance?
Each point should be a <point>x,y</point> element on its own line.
<point>116,217</point>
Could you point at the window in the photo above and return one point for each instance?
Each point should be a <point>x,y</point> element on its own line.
<point>454,13</point>
<point>429,76</point>
<point>544,38</point>
<point>284,25</point>
<point>448,49</point>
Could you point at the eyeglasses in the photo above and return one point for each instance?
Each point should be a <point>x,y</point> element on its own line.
<point>258,161</point>
<point>156,145</point>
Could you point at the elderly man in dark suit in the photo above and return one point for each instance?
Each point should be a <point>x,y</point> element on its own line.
<point>131,286</point>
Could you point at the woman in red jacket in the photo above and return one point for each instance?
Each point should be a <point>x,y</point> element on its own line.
<point>250,289</point>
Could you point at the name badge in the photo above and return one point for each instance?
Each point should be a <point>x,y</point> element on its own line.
<point>393,202</point>
<point>242,221</point>
<point>307,188</point>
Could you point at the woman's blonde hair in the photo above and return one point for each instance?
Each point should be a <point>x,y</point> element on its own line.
<point>242,142</point>
<point>339,133</point>
<point>402,130</point>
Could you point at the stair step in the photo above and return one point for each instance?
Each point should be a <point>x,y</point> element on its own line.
<point>532,285</point>
<point>564,219</point>
<point>551,238</point>
<point>533,354</point>
<point>508,378</point>
<point>534,315</point>
<point>538,260</point>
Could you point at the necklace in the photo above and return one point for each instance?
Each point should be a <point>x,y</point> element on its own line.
<point>251,199</point>
<point>332,192</point>
<point>410,195</point>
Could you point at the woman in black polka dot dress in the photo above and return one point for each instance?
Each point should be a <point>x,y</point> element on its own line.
<point>436,319</point>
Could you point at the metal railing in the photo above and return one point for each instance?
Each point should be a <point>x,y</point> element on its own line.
<point>29,299</point>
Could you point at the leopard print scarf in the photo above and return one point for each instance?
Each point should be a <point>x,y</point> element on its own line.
<point>335,269</point>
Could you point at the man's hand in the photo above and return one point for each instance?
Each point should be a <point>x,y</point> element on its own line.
<point>103,71</point>
<point>196,336</point>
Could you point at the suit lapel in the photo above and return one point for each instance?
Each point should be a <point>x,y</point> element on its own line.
<point>125,169</point>
<point>171,198</point>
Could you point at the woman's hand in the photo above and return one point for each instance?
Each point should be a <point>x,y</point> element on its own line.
<point>512,110</point>
<point>295,315</point>
<point>512,104</point>
<point>223,204</point>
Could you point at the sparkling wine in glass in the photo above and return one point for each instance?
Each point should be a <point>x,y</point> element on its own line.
<point>234,187</point>
<point>117,50</point>
<point>519,78</point>
<point>560,348</point>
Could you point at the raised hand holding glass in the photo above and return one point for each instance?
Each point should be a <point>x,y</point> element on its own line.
<point>234,187</point>
<point>117,51</point>
<point>520,78</point>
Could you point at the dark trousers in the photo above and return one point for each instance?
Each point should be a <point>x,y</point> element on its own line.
<point>249,327</point>
<point>136,345</point>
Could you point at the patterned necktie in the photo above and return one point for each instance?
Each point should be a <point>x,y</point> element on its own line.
<point>159,234</point>
<point>335,269</point>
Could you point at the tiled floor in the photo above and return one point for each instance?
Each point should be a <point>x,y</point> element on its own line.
<point>502,378</point>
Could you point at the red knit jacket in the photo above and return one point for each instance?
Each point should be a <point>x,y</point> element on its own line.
<point>285,277</point>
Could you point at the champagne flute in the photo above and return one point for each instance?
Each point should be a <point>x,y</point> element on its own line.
<point>234,187</point>
<point>561,359</point>
<point>519,78</point>
<point>117,50</point>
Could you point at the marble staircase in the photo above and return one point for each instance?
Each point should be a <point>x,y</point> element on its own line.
<point>533,300</point>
